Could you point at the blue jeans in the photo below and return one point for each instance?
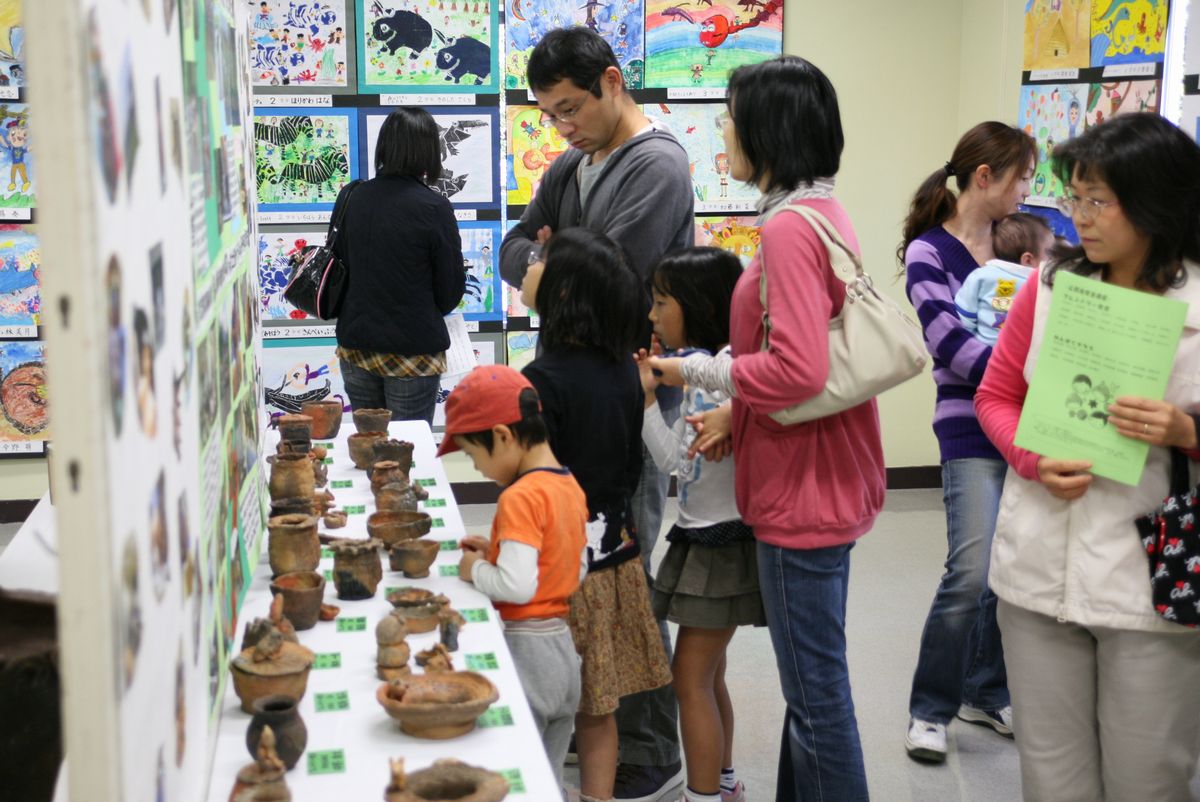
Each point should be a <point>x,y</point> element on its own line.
<point>409,398</point>
<point>961,660</point>
<point>804,596</point>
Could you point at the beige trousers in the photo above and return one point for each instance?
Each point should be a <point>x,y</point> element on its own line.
<point>1102,715</point>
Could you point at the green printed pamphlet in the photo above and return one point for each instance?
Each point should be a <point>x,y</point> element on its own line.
<point>1100,342</point>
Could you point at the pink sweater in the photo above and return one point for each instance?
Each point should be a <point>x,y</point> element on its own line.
<point>820,483</point>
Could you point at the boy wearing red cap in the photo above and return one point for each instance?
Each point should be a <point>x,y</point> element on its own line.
<point>536,556</point>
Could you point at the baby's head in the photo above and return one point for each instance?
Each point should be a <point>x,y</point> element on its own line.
<point>1022,238</point>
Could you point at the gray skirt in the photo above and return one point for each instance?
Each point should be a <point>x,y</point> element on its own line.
<point>711,587</point>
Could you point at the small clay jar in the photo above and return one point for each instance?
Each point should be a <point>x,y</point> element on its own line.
<point>301,505</point>
<point>270,667</point>
<point>385,472</point>
<point>280,713</point>
<point>293,544</point>
<point>291,476</point>
<point>413,557</point>
<point>390,527</point>
<point>302,593</point>
<point>326,417</point>
<point>396,497</point>
<point>398,451</point>
<point>356,568</point>
<point>372,420</point>
<point>294,427</point>
<point>361,448</point>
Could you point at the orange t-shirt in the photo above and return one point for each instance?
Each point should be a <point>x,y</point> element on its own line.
<point>545,509</point>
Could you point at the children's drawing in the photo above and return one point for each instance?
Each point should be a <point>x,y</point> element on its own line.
<point>532,146</point>
<point>698,45</point>
<point>16,164</point>
<point>12,46</point>
<point>485,354</point>
<point>298,371</point>
<point>738,235</point>
<point>521,347</point>
<point>1058,34</point>
<point>22,394</point>
<point>20,278</point>
<point>1128,31</point>
<point>1107,100</point>
<point>620,22</point>
<point>428,45</point>
<point>275,251</point>
<point>696,127</point>
<point>298,44</point>
<point>302,158</point>
<point>470,141</point>
<point>1059,223</point>
<point>1051,113</point>
<point>483,299</point>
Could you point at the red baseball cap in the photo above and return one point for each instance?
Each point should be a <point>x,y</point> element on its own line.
<point>487,396</point>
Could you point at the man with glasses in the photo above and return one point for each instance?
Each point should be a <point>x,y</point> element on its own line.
<point>627,177</point>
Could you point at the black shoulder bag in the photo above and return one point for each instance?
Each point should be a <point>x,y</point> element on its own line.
<point>319,278</point>
<point>1171,540</point>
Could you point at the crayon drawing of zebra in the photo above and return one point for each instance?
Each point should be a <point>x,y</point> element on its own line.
<point>301,159</point>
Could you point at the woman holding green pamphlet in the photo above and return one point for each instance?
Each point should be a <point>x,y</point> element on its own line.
<point>1104,690</point>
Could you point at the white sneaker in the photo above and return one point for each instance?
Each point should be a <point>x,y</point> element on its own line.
<point>925,741</point>
<point>999,720</point>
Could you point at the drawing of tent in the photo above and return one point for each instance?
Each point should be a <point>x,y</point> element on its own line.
<point>1058,45</point>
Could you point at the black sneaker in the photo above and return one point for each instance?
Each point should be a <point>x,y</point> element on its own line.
<point>572,758</point>
<point>646,783</point>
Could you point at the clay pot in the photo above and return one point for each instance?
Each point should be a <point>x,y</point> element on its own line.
<point>294,427</point>
<point>291,476</point>
<point>413,557</point>
<point>326,417</point>
<point>372,420</point>
<point>292,506</point>
<point>412,597</point>
<point>385,472</point>
<point>398,451</point>
<point>302,593</point>
<point>395,526</point>
<point>446,779</point>
<point>420,618</point>
<point>361,448</point>
<point>280,713</point>
<point>293,447</point>
<point>395,497</point>
<point>292,544</point>
<point>284,673</point>
<point>442,705</point>
<point>356,568</point>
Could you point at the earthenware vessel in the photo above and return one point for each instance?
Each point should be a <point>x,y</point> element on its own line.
<point>418,618</point>
<point>292,543</point>
<point>413,557</point>
<point>282,715</point>
<point>302,592</point>
<point>398,451</point>
<point>293,447</point>
<point>291,506</point>
<point>384,472</point>
<point>372,420</point>
<point>392,657</point>
<point>392,526</point>
<point>360,445</point>
<point>326,417</point>
<point>262,780</point>
<point>356,568</point>
<point>443,705</point>
<point>273,666</point>
<point>294,427</point>
<point>446,779</point>
<point>291,476</point>
<point>396,496</point>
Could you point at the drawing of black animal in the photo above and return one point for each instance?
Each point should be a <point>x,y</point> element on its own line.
<point>452,136</point>
<point>403,29</point>
<point>286,132</point>
<point>450,184</point>
<point>463,56</point>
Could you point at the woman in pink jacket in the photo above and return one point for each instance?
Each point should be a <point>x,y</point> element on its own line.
<point>808,490</point>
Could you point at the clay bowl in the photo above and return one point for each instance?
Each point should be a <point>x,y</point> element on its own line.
<point>285,675</point>
<point>326,417</point>
<point>360,445</point>
<point>413,557</point>
<point>411,597</point>
<point>396,526</point>
<point>419,618</point>
<point>372,420</point>
<point>438,706</point>
<point>451,779</point>
<point>302,593</point>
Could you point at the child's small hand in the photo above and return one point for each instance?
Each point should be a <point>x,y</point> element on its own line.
<point>713,428</point>
<point>544,234</point>
<point>649,380</point>
<point>474,543</point>
<point>468,560</point>
<point>668,370</point>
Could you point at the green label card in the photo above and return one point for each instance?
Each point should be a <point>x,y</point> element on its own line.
<point>328,574</point>
<point>496,717</point>
<point>447,570</point>
<point>326,554</point>
<point>326,446</point>
<point>516,783</point>
<point>327,461</point>
<point>475,615</point>
<point>355,509</point>
<point>331,761</point>
<point>427,482</point>
<point>341,484</point>
<point>328,660</point>
<point>331,702</point>
<point>438,523</point>
<point>482,662</point>
<point>448,545</point>
<point>352,624</point>
<point>435,502</point>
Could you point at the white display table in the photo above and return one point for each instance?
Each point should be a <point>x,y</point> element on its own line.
<point>350,737</point>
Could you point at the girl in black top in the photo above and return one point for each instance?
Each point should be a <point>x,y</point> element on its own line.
<point>401,245</point>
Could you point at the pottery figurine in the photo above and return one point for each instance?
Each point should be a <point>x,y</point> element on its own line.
<point>372,420</point>
<point>320,471</point>
<point>335,519</point>
<point>302,592</point>
<point>392,657</point>
<point>413,557</point>
<point>360,446</point>
<point>282,715</point>
<point>357,568</point>
<point>384,472</point>
<point>420,492</point>
<point>262,780</point>
<point>448,628</point>
<point>326,417</point>
<point>435,659</point>
<point>280,621</point>
<point>294,427</point>
<point>292,544</point>
<point>398,451</point>
<point>270,667</point>
<point>291,476</point>
<point>395,497</point>
<point>443,705</point>
<point>445,779</point>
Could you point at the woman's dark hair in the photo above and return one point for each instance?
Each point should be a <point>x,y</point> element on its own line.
<point>1154,170</point>
<point>998,145</point>
<point>409,145</point>
<point>577,54</point>
<point>789,128</point>
<point>529,431</point>
<point>701,280</point>
<point>589,296</point>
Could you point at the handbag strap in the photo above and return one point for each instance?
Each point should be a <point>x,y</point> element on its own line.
<point>335,224</point>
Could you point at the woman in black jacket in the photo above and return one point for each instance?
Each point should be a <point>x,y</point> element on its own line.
<point>401,245</point>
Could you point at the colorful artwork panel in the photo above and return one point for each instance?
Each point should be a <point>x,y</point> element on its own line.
<point>303,157</point>
<point>428,46</point>
<point>484,296</point>
<point>698,46</point>
<point>470,140</point>
<point>17,181</point>
<point>298,44</point>
<point>301,370</point>
<point>275,251</point>
<point>12,48</point>
<point>1107,100</point>
<point>485,354</point>
<point>1051,113</point>
<point>1059,223</point>
<point>697,128</point>
<point>1058,34</point>
<point>532,147</point>
<point>24,418</point>
<point>1128,31</point>
<point>20,281</point>
<point>620,22</point>
<point>739,235</point>
<point>521,348</point>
